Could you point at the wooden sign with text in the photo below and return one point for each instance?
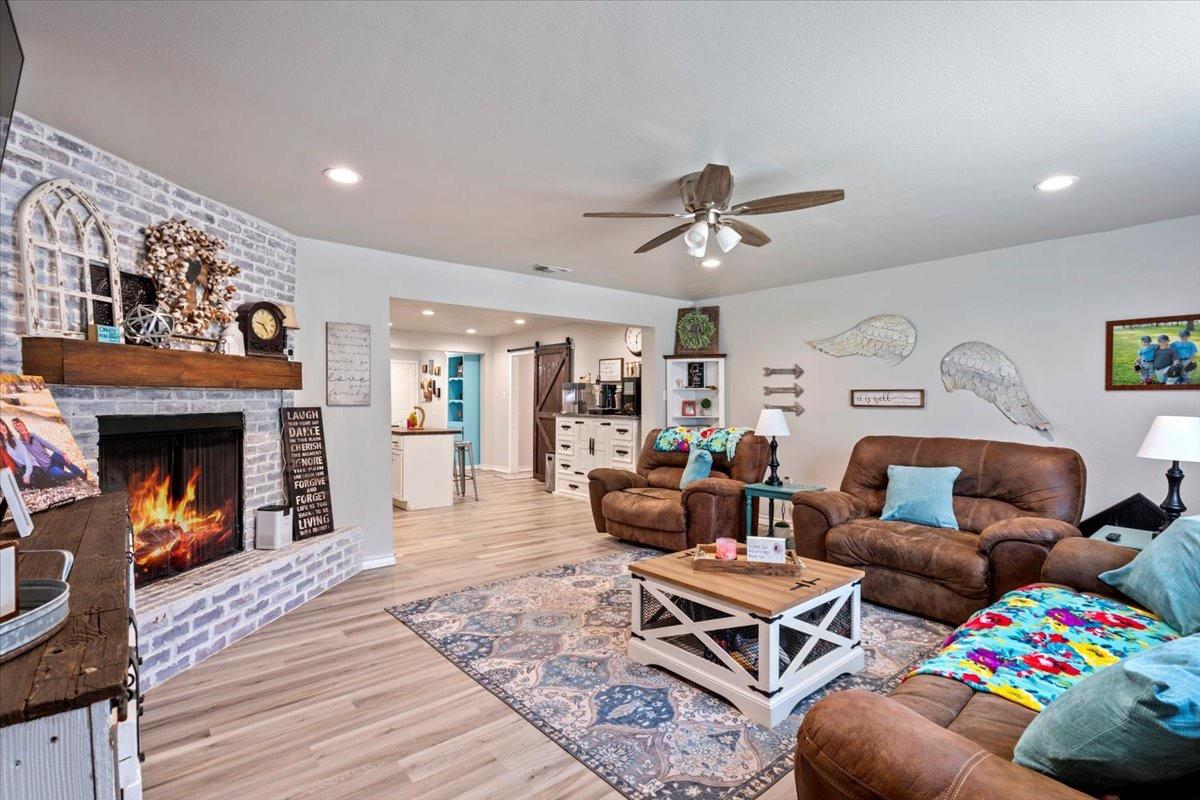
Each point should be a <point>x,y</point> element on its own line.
<point>306,471</point>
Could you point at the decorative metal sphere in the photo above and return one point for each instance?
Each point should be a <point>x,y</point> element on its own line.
<point>149,325</point>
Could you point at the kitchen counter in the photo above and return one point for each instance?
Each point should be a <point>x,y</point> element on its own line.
<point>601,416</point>
<point>422,432</point>
<point>422,465</point>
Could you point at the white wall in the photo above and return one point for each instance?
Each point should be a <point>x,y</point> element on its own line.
<point>1043,304</point>
<point>341,283</point>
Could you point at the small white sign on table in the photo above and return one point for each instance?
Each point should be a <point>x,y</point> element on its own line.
<point>347,364</point>
<point>765,548</point>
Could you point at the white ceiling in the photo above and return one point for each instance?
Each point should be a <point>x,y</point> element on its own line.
<point>451,319</point>
<point>485,130</point>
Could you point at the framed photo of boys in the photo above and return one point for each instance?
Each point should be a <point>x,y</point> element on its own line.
<point>1153,353</point>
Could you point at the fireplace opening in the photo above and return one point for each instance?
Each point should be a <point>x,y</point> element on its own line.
<point>183,474</point>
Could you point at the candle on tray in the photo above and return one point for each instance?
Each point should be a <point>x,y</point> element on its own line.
<point>727,549</point>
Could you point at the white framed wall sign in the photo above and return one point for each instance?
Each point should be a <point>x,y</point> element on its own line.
<point>347,364</point>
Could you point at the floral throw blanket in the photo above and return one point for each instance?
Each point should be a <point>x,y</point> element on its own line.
<point>1034,643</point>
<point>682,439</point>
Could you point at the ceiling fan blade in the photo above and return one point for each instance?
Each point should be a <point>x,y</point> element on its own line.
<point>788,202</point>
<point>663,238</point>
<point>750,234</point>
<point>714,186</point>
<point>625,214</point>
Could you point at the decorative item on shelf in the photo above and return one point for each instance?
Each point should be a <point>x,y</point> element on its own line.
<point>695,374</point>
<point>194,282</point>
<point>706,405</point>
<point>772,423</point>
<point>137,290</point>
<point>262,329</point>
<point>679,383</point>
<point>197,344</point>
<point>38,446</point>
<point>150,326</point>
<point>688,408</point>
<point>416,419</point>
<point>794,390</point>
<point>890,337</point>
<point>290,321</point>
<point>233,343</point>
<point>9,606</point>
<point>106,334</point>
<point>696,331</point>
<point>794,370</point>
<point>887,398</point>
<point>1172,439</point>
<point>792,408</point>
<point>347,364</point>
<point>611,369</point>
<point>633,369</point>
<point>633,342</point>
<point>990,375</point>
<point>1152,353</point>
<point>69,262</point>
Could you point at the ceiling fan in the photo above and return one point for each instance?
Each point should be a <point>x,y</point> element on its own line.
<point>706,205</point>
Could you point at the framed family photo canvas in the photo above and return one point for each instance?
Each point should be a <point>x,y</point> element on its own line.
<point>1152,353</point>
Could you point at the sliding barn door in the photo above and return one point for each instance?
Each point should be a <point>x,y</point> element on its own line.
<point>551,369</point>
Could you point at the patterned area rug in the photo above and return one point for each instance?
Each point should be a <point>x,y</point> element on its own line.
<point>551,645</point>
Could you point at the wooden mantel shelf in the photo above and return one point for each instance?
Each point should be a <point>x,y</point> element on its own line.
<point>75,362</point>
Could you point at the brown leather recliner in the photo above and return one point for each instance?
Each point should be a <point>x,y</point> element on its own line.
<point>935,737</point>
<point>1013,502</point>
<point>647,506</point>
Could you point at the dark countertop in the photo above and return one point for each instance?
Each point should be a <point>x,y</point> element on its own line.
<point>85,661</point>
<point>599,416</point>
<point>422,432</point>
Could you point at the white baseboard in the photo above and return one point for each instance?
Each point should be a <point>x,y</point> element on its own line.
<point>493,468</point>
<point>379,562</point>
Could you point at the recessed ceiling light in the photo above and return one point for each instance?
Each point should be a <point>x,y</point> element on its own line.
<point>470,330</point>
<point>342,175</point>
<point>1055,183</point>
<point>427,312</point>
<point>710,263</point>
<point>389,324</point>
<point>519,321</point>
<point>549,268</point>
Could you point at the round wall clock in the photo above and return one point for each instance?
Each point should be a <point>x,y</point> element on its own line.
<point>633,340</point>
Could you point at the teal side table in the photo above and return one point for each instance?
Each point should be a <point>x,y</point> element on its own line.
<point>772,493</point>
<point>1126,537</point>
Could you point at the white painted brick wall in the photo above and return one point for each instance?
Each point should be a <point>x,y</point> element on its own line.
<point>185,620</point>
<point>131,198</point>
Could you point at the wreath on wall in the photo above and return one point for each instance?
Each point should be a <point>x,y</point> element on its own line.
<point>694,331</point>
<point>193,280</point>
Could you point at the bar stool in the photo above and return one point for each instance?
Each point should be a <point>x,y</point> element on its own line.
<point>464,455</point>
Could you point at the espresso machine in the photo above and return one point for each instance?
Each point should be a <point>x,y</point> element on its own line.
<point>608,399</point>
<point>574,398</point>
<point>631,397</point>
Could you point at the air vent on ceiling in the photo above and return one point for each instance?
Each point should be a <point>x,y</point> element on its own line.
<point>549,269</point>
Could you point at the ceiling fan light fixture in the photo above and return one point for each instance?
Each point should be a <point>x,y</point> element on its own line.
<point>696,238</point>
<point>1056,183</point>
<point>727,238</point>
<point>342,175</point>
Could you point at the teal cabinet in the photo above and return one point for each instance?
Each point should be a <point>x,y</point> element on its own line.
<point>462,403</point>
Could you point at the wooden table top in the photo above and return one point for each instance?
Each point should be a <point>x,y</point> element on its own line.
<point>422,431</point>
<point>85,661</point>
<point>767,595</point>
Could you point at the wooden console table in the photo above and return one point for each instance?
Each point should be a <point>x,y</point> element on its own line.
<point>68,707</point>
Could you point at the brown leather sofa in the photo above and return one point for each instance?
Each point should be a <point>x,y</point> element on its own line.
<point>1013,502</point>
<point>935,737</point>
<point>647,506</point>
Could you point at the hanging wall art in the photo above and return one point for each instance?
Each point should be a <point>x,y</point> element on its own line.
<point>890,337</point>
<point>68,262</point>
<point>194,282</point>
<point>990,375</point>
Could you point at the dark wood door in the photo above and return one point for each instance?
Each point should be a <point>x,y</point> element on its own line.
<point>551,369</point>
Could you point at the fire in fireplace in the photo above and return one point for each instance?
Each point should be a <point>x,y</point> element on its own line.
<point>183,474</point>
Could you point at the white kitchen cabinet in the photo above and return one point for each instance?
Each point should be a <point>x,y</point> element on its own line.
<point>583,443</point>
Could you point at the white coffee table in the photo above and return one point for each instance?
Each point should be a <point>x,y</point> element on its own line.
<point>763,643</point>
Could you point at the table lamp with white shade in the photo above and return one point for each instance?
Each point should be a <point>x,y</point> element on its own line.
<point>1173,439</point>
<point>771,423</point>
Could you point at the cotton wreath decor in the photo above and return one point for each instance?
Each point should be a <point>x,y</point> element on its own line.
<point>173,248</point>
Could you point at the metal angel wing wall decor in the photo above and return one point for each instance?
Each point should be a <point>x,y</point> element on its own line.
<point>887,336</point>
<point>985,371</point>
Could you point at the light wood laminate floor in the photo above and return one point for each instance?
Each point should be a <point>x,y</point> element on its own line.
<point>337,699</point>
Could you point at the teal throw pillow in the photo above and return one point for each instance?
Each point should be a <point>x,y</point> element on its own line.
<point>699,464</point>
<point>1132,723</point>
<point>924,495</point>
<point>1165,577</point>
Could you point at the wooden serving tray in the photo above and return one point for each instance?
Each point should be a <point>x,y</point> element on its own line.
<point>704,558</point>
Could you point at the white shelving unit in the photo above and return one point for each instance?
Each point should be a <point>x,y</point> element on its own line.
<point>677,391</point>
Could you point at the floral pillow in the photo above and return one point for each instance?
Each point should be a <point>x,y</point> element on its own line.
<point>681,439</point>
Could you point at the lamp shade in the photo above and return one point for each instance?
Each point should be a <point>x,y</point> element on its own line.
<point>1172,439</point>
<point>771,423</point>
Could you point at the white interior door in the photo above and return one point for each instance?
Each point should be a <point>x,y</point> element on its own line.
<point>404,389</point>
<point>520,422</point>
